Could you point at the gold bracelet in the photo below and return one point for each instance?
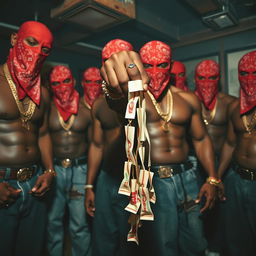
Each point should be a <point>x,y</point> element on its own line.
<point>213,181</point>
<point>50,171</point>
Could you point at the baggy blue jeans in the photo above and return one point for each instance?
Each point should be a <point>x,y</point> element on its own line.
<point>110,224</point>
<point>68,191</point>
<point>240,215</point>
<point>22,224</point>
<point>176,230</point>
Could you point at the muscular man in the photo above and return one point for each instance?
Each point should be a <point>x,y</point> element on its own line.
<point>240,183</point>
<point>110,226</point>
<point>215,115</point>
<point>178,75</point>
<point>24,142</point>
<point>69,124</point>
<point>214,103</point>
<point>176,229</point>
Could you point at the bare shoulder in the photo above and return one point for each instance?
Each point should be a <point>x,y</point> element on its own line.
<point>188,96</point>
<point>45,96</point>
<point>99,103</point>
<point>233,106</point>
<point>227,98</point>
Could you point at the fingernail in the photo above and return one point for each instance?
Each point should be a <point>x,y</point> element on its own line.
<point>33,189</point>
<point>197,201</point>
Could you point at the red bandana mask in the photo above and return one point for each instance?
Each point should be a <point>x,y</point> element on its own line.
<point>178,72</point>
<point>115,46</point>
<point>92,84</point>
<point>65,97</point>
<point>25,61</point>
<point>247,65</point>
<point>153,54</point>
<point>207,76</point>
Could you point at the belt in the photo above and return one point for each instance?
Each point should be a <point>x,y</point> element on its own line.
<point>21,174</point>
<point>67,162</point>
<point>247,174</point>
<point>167,171</point>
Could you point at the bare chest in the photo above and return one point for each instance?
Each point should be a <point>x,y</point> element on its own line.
<point>77,123</point>
<point>178,113</point>
<point>10,108</point>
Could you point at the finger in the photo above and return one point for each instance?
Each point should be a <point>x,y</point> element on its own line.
<point>212,204</point>
<point>104,74</point>
<point>199,197</point>
<point>113,82</point>
<point>90,212</point>
<point>207,204</point>
<point>37,185</point>
<point>42,190</point>
<point>137,61</point>
<point>14,192</point>
<point>221,195</point>
<point>91,208</point>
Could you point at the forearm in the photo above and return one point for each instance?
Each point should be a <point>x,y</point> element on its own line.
<point>205,154</point>
<point>225,159</point>
<point>95,157</point>
<point>45,146</point>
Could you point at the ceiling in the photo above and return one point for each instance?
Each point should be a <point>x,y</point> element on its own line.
<point>178,22</point>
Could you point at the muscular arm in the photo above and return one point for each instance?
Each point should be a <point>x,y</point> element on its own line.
<point>44,181</point>
<point>204,151</point>
<point>201,140</point>
<point>95,156</point>
<point>229,144</point>
<point>45,143</point>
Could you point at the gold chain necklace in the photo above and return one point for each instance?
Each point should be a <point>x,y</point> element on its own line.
<point>25,115</point>
<point>86,104</point>
<point>249,126</point>
<point>66,125</point>
<point>165,116</point>
<point>207,120</point>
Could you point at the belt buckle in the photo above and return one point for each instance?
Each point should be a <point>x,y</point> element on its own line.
<point>66,162</point>
<point>24,174</point>
<point>165,172</point>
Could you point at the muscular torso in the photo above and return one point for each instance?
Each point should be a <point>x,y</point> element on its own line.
<point>217,127</point>
<point>18,146</point>
<point>245,150</point>
<point>73,143</point>
<point>169,146</point>
<point>113,137</point>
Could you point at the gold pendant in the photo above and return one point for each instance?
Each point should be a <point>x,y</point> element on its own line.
<point>25,124</point>
<point>165,127</point>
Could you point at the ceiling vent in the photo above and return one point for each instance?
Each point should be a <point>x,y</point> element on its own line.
<point>221,19</point>
<point>95,14</point>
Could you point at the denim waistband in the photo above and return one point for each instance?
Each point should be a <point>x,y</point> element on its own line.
<point>68,162</point>
<point>21,173</point>
<point>169,170</point>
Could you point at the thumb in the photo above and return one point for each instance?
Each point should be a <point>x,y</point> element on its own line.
<point>199,197</point>
<point>36,186</point>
